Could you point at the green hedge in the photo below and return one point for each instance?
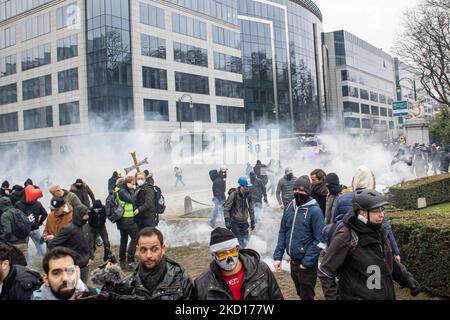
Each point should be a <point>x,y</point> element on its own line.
<point>424,240</point>
<point>435,190</point>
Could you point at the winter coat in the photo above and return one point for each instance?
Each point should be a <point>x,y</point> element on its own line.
<point>18,194</point>
<point>83,193</point>
<point>145,203</point>
<point>320,192</point>
<point>57,219</point>
<point>258,191</point>
<point>175,285</point>
<point>219,185</point>
<point>112,182</point>
<point>20,283</point>
<point>71,198</point>
<point>34,208</point>
<point>75,236</point>
<point>286,187</point>
<point>128,196</point>
<point>351,258</point>
<point>330,206</point>
<point>300,233</point>
<point>344,205</point>
<point>238,207</point>
<point>7,221</point>
<point>259,281</point>
<point>97,217</point>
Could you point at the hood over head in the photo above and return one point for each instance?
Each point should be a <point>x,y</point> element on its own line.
<point>364,179</point>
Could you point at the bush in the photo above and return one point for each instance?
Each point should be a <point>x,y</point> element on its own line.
<point>424,240</point>
<point>434,189</point>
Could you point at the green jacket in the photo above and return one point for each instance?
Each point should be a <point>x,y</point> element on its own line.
<point>145,201</point>
<point>8,221</point>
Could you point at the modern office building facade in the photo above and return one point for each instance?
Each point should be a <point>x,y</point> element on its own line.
<point>360,85</point>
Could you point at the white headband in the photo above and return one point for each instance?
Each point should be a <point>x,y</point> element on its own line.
<point>222,246</point>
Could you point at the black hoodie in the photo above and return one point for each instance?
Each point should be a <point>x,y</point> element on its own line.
<point>219,184</point>
<point>259,281</point>
<point>34,208</point>
<point>75,236</point>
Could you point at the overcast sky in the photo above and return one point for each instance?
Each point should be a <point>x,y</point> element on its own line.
<point>375,21</point>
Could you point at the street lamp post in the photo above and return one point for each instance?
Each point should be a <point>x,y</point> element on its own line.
<point>413,82</point>
<point>180,113</point>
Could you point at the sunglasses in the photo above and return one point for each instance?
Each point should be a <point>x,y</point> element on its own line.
<point>222,255</point>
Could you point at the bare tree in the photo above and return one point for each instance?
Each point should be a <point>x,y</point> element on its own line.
<point>424,45</point>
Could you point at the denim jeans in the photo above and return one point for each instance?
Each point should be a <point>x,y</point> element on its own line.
<point>217,211</point>
<point>240,230</point>
<point>35,236</point>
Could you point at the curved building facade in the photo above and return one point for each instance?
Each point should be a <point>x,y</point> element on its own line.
<point>282,63</point>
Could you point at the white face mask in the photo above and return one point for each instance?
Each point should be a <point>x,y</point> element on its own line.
<point>228,264</point>
<point>140,183</point>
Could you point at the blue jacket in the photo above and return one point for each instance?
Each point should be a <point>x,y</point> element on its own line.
<point>344,205</point>
<point>300,233</point>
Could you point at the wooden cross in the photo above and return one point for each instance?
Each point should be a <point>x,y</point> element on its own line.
<point>136,164</point>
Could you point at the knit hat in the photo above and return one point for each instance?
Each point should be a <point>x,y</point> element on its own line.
<point>303,184</point>
<point>222,239</point>
<point>5,184</point>
<point>57,202</point>
<point>79,181</point>
<point>28,182</point>
<point>332,179</point>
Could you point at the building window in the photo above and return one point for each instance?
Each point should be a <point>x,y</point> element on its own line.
<point>69,113</point>
<point>8,94</point>
<point>366,124</point>
<point>365,109</point>
<point>364,94</point>
<point>156,110</point>
<point>390,113</point>
<point>353,123</point>
<point>383,112</point>
<point>68,80</point>
<point>344,75</point>
<point>373,96</point>
<point>228,63</point>
<point>7,37</point>
<point>351,107</point>
<point>38,118</point>
<point>226,37</point>
<point>375,111</point>
<point>37,87</point>
<point>226,114</point>
<point>12,8</point>
<point>348,91</point>
<point>198,112</point>
<point>391,125</point>
<point>36,57</point>
<point>151,15</point>
<point>66,16</point>
<point>226,88</point>
<point>8,65</point>
<point>186,82</point>
<point>36,26</point>
<point>153,46</point>
<point>188,26</point>
<point>9,122</point>
<point>67,47</point>
<point>154,78</point>
<point>382,99</point>
<point>185,53</point>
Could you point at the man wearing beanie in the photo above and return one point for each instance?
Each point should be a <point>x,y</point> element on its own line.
<point>235,274</point>
<point>299,235</point>
<point>60,216</point>
<point>4,191</point>
<point>97,227</point>
<point>334,192</point>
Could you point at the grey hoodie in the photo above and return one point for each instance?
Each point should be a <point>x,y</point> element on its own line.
<point>45,293</point>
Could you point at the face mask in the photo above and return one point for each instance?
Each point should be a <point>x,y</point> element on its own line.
<point>334,190</point>
<point>79,185</point>
<point>300,198</point>
<point>140,183</point>
<point>228,264</point>
<point>289,176</point>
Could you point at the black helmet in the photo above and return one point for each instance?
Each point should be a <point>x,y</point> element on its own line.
<point>368,199</point>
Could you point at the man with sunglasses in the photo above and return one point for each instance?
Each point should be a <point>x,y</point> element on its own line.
<point>235,274</point>
<point>361,256</point>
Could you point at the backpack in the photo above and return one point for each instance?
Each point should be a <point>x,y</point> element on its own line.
<point>114,210</point>
<point>330,231</point>
<point>22,224</point>
<point>160,202</point>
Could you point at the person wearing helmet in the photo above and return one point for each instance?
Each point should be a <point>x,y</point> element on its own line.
<point>361,255</point>
<point>237,209</point>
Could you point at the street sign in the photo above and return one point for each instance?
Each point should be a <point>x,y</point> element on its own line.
<point>400,108</point>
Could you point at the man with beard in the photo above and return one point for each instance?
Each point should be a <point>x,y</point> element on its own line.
<point>62,277</point>
<point>16,282</point>
<point>157,277</point>
<point>360,252</point>
<point>285,193</point>
<point>300,233</point>
<point>235,274</point>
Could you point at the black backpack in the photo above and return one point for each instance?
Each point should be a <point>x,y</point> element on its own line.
<point>330,231</point>
<point>22,224</point>
<point>160,202</point>
<point>114,210</point>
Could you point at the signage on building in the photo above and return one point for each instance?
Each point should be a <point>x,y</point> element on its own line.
<point>400,108</point>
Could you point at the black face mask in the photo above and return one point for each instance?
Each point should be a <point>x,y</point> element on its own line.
<point>300,198</point>
<point>334,189</point>
<point>289,176</point>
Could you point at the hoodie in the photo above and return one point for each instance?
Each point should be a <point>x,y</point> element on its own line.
<point>45,292</point>
<point>219,184</point>
<point>7,221</point>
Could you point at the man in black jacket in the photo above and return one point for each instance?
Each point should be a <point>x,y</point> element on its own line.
<point>145,212</point>
<point>83,192</point>
<point>75,236</point>
<point>112,181</point>
<point>16,282</point>
<point>235,274</point>
<point>319,190</point>
<point>97,227</point>
<point>157,277</point>
<point>218,179</point>
<point>257,192</point>
<point>360,255</point>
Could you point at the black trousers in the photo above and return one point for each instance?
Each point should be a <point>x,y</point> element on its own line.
<point>103,233</point>
<point>129,230</point>
<point>144,222</point>
<point>304,280</point>
<point>240,230</point>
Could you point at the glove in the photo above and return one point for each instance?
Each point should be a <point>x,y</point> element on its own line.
<point>252,227</point>
<point>414,286</point>
<point>228,224</point>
